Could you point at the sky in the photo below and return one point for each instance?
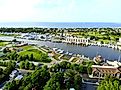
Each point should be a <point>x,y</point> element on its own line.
<point>60,11</point>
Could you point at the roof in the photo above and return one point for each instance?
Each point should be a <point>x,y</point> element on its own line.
<point>14,71</point>
<point>19,77</point>
<point>97,66</point>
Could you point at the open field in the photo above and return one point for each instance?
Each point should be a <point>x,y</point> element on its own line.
<point>38,55</point>
<point>27,47</point>
<point>3,43</point>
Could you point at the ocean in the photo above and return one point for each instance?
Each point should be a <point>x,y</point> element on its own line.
<point>61,24</point>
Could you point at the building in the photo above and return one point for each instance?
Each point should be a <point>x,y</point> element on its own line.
<point>14,73</point>
<point>19,77</point>
<point>76,40</point>
<point>99,71</point>
<point>120,40</point>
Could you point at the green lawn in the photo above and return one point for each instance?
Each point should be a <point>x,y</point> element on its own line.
<point>3,43</point>
<point>99,35</point>
<point>27,47</point>
<point>37,54</point>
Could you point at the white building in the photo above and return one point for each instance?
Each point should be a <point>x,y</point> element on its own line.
<point>76,40</point>
<point>14,73</point>
<point>19,77</point>
<point>120,40</point>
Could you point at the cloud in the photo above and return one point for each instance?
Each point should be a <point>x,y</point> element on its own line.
<point>60,10</point>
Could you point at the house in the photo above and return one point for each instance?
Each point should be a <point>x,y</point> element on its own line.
<point>99,71</point>
<point>108,68</point>
<point>14,73</point>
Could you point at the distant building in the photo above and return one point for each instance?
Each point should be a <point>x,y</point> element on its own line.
<point>76,40</point>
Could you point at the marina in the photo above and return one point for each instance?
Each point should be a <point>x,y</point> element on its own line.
<point>89,51</point>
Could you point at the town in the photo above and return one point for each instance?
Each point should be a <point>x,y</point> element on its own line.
<point>28,62</point>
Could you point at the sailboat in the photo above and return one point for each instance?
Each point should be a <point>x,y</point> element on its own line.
<point>119,59</point>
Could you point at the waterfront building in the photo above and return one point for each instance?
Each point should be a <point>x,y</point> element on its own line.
<point>76,40</point>
<point>109,68</point>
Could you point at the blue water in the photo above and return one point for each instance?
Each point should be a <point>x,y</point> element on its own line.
<point>61,24</point>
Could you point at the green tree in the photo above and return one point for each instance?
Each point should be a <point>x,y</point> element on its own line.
<point>22,65</point>
<point>31,66</point>
<point>31,57</point>
<point>26,65</point>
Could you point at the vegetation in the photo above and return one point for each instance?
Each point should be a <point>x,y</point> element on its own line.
<point>65,57</point>
<point>28,54</point>
<point>110,83</point>
<point>26,65</point>
<point>3,43</point>
<point>5,34</point>
<point>4,74</point>
<point>37,55</point>
<point>6,63</point>
<point>56,56</point>
<point>62,76</point>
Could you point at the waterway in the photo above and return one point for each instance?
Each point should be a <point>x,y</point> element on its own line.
<point>90,51</point>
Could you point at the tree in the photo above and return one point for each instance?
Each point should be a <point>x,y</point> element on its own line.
<point>20,58</point>
<point>22,65</point>
<point>54,82</point>
<point>1,71</point>
<point>14,40</point>
<point>77,82</point>
<point>102,42</point>
<point>109,83</point>
<point>89,70</point>
<point>5,50</point>
<point>31,57</point>
<point>26,65</point>
<point>26,57</point>
<point>11,85</point>
<point>31,66</point>
<point>28,87</point>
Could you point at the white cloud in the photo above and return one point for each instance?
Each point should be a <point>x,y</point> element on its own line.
<point>60,10</point>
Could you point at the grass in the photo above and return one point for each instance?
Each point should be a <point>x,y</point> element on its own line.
<point>99,35</point>
<point>27,47</point>
<point>3,43</point>
<point>36,53</point>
